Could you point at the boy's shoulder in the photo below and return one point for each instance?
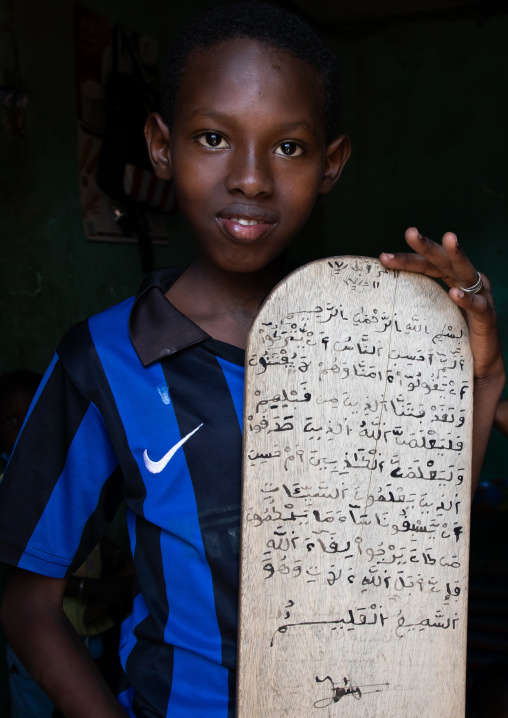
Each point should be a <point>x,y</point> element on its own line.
<point>77,343</point>
<point>147,324</point>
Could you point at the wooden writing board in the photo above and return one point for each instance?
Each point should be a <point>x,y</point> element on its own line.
<point>356,498</point>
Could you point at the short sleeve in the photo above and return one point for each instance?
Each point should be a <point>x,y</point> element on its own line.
<point>62,485</point>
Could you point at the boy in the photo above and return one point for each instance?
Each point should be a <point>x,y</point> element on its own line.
<point>249,137</point>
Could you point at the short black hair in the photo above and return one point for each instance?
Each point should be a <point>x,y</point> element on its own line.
<point>267,24</point>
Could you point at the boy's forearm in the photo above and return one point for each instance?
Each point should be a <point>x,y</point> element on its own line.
<point>50,649</point>
<point>487,393</point>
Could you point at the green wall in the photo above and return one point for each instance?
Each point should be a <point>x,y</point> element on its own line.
<point>427,112</point>
<point>426,106</point>
<point>50,275</point>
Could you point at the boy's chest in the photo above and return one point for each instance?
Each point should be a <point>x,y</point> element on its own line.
<point>182,456</point>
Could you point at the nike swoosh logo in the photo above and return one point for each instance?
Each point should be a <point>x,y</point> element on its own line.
<point>155,467</point>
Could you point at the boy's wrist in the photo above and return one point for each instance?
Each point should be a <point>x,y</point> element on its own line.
<point>495,381</point>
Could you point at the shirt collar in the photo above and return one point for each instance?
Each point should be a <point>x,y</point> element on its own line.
<point>157,329</point>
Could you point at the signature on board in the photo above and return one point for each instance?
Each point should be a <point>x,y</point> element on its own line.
<point>336,691</point>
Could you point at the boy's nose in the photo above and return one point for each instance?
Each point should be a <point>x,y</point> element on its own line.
<point>250,173</point>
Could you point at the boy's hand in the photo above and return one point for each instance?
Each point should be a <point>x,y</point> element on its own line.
<point>448,263</point>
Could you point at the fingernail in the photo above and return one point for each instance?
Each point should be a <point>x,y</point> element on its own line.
<point>388,255</point>
<point>460,294</point>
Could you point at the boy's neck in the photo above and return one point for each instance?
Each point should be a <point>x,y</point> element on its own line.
<point>222,303</point>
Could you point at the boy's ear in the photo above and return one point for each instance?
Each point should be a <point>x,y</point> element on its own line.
<point>337,154</point>
<point>157,140</point>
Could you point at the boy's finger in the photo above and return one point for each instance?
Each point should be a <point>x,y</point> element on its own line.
<point>464,272</point>
<point>432,251</point>
<point>480,308</point>
<point>455,266</point>
<point>445,261</point>
<point>430,258</point>
<point>482,323</point>
<point>411,263</point>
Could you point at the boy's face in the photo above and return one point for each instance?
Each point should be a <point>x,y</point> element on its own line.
<point>247,152</point>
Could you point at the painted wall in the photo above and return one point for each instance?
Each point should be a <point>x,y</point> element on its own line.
<point>426,105</point>
<point>51,276</point>
<point>427,111</point>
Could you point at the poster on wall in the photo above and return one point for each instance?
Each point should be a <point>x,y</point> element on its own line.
<point>113,198</point>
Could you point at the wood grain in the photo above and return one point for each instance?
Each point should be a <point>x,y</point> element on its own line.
<point>356,498</point>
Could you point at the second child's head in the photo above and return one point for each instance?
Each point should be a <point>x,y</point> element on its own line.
<point>248,131</point>
<point>17,390</point>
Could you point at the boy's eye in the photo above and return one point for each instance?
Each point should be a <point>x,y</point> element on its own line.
<point>289,149</point>
<point>212,139</point>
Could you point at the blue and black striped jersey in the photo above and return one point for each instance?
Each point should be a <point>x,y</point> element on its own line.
<point>139,403</point>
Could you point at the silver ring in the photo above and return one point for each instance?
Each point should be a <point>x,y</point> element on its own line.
<point>475,288</point>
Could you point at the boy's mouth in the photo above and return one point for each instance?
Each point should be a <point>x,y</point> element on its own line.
<point>246,224</point>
